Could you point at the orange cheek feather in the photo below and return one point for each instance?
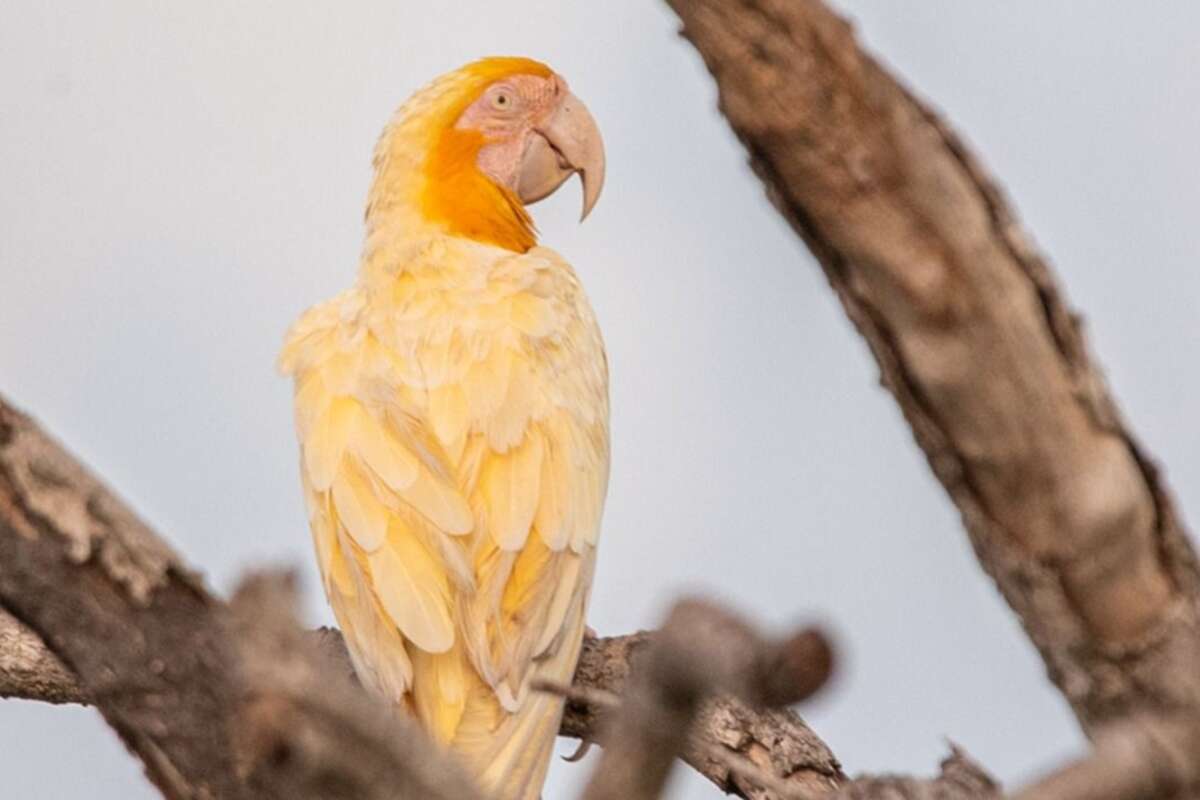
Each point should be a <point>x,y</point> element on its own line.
<point>467,202</point>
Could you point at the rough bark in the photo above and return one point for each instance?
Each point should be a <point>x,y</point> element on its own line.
<point>1143,756</point>
<point>976,343</point>
<point>120,610</point>
<point>29,670</point>
<point>307,730</point>
<point>701,651</point>
<point>774,740</point>
<point>215,704</point>
<point>960,779</point>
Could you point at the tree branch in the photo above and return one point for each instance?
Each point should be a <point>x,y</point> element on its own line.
<point>652,721</point>
<point>215,701</point>
<point>974,340</point>
<point>120,610</point>
<point>28,670</point>
<point>960,779</point>
<point>774,740</point>
<point>699,652</point>
<point>1144,756</point>
<point>308,729</point>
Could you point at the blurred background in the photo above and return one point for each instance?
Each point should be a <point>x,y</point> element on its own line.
<point>178,181</point>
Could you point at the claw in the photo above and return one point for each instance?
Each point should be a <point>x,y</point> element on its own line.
<point>581,751</point>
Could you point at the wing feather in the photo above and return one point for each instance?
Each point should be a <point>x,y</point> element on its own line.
<point>359,510</point>
<point>440,689</point>
<point>382,452</point>
<point>510,483</point>
<point>555,514</point>
<point>414,589</point>
<point>326,441</point>
<point>443,505</point>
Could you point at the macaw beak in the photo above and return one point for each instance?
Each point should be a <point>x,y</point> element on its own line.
<point>568,142</point>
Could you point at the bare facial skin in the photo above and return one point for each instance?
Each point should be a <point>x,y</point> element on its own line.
<point>538,134</point>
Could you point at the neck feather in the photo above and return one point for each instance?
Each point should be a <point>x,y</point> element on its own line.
<point>427,179</point>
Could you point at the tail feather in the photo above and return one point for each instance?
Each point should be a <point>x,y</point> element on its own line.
<point>510,752</point>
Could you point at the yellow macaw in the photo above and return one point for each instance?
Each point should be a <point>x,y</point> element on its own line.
<point>452,411</point>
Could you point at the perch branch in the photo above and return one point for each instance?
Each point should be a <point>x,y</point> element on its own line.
<point>701,651</point>
<point>960,778</point>
<point>775,740</point>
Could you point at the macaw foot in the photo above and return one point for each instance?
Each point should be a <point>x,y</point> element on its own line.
<point>584,746</point>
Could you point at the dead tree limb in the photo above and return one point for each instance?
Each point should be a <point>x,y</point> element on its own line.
<point>1141,757</point>
<point>775,740</point>
<point>28,670</point>
<point>699,652</point>
<point>308,730</point>
<point>214,704</point>
<point>652,720</point>
<point>120,610</point>
<point>973,338</point>
<point>960,779</point>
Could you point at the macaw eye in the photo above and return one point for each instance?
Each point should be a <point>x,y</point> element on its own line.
<point>502,100</point>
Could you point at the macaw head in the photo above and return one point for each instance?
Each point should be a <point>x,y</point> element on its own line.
<point>471,150</point>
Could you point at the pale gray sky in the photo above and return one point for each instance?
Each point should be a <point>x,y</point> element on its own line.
<point>178,181</point>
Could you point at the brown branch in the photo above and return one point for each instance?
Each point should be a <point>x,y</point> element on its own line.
<point>978,347</point>
<point>960,779</point>
<point>308,728</point>
<point>214,704</point>
<point>28,670</point>
<point>1138,758</point>
<point>699,652</point>
<point>775,740</point>
<point>183,690</point>
<point>116,606</point>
